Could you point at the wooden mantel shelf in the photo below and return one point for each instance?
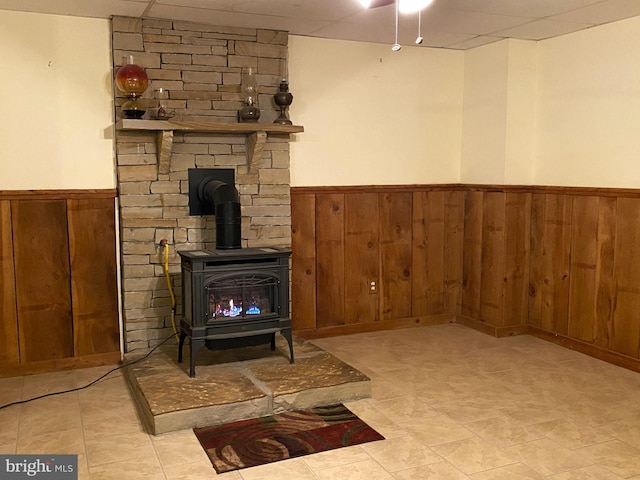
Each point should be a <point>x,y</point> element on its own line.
<point>256,134</point>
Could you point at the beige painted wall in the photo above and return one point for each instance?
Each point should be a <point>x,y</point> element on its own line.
<point>564,111</point>
<point>485,114</point>
<point>588,121</point>
<point>373,116</point>
<point>500,95</point>
<point>522,94</point>
<point>55,91</point>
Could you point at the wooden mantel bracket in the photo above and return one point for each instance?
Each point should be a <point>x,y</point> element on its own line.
<point>256,134</point>
<point>255,147</point>
<point>164,143</point>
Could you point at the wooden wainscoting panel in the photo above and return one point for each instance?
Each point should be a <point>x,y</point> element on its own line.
<point>9,351</point>
<point>428,253</point>
<point>92,253</point>
<point>330,250</point>
<point>604,272</point>
<point>361,258</point>
<point>395,254</point>
<point>303,261</point>
<point>558,230</point>
<point>584,257</point>
<point>561,262</point>
<point>453,251</point>
<point>43,293</point>
<point>625,338</point>
<point>517,233</point>
<point>492,255</point>
<point>536,271</point>
<point>550,257</point>
<point>472,254</point>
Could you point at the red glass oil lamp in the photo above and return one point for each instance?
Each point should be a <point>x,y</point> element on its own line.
<point>132,81</point>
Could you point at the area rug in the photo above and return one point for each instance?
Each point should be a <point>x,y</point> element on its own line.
<point>248,443</point>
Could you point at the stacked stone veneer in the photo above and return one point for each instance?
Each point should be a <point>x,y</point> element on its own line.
<point>200,66</point>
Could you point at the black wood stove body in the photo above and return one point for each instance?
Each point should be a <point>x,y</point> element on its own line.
<point>233,298</point>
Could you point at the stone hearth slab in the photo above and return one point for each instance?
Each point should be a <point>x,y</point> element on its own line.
<point>238,384</point>
<point>320,379</point>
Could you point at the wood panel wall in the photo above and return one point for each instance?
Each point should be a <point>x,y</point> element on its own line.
<point>92,257</point>
<point>9,351</point>
<point>43,279</point>
<point>376,258</point>
<point>496,261</point>
<point>362,247</point>
<point>58,297</point>
<point>558,262</point>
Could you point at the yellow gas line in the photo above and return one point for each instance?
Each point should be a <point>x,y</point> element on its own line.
<point>165,243</point>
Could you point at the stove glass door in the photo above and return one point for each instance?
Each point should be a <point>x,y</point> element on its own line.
<point>241,296</point>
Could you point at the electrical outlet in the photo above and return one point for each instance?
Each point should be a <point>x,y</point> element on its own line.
<point>373,286</point>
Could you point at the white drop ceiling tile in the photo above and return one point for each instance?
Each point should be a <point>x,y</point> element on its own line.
<point>382,14</point>
<point>359,32</point>
<point>541,29</point>
<point>74,8</point>
<point>384,32</point>
<point>474,42</point>
<point>367,25</point>
<point>473,23</point>
<point>603,12</point>
<point>312,10</point>
<point>236,19</point>
<point>459,23</point>
<point>518,8</point>
<point>442,39</point>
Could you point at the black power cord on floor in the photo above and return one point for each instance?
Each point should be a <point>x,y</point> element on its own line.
<point>91,383</point>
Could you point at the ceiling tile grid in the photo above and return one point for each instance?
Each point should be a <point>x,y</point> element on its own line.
<point>456,24</point>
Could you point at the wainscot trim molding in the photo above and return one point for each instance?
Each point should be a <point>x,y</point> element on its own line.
<point>57,194</point>
<point>550,189</point>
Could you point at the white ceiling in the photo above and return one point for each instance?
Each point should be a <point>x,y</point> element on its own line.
<point>457,24</point>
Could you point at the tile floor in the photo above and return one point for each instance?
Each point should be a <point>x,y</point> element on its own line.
<point>452,403</point>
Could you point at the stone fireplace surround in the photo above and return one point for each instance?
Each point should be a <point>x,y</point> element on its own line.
<point>200,67</point>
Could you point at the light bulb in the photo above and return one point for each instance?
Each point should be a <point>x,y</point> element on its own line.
<point>412,6</point>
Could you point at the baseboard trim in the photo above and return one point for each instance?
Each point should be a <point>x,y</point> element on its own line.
<point>586,348</point>
<point>47,366</point>
<point>394,324</point>
<point>608,356</point>
<point>498,332</point>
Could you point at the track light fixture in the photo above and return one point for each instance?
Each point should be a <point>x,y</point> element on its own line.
<point>402,6</point>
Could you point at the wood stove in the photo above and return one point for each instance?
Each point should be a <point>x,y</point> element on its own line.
<point>233,298</point>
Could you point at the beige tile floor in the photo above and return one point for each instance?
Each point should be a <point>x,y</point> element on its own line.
<point>452,403</point>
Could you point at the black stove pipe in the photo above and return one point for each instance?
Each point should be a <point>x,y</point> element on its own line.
<point>226,202</point>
